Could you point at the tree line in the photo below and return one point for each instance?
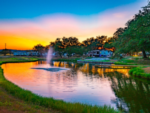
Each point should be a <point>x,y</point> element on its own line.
<point>134,37</point>
<point>72,45</point>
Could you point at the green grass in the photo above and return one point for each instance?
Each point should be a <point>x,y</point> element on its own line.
<point>33,99</point>
<point>67,59</point>
<point>139,72</point>
<point>10,104</point>
<point>124,63</point>
<point>18,59</point>
<point>127,61</point>
<point>90,60</point>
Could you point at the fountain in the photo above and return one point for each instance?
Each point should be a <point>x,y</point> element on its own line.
<point>48,61</point>
<point>49,55</point>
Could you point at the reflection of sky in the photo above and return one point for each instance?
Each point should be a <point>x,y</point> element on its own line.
<point>74,85</point>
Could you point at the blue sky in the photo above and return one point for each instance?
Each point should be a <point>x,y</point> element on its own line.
<point>25,23</point>
<point>12,9</point>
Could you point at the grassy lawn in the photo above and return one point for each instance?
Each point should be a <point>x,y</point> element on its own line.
<point>72,59</point>
<point>15,99</point>
<point>124,61</point>
<point>133,61</point>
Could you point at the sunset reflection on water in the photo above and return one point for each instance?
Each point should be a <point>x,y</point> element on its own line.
<point>83,83</point>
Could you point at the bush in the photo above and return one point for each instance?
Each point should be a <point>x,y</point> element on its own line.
<point>138,71</point>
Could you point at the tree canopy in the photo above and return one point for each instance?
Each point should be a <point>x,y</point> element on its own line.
<point>72,45</point>
<point>135,36</point>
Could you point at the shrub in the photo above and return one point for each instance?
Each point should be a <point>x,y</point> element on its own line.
<point>138,71</point>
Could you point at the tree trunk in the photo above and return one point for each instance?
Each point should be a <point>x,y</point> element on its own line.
<point>144,54</point>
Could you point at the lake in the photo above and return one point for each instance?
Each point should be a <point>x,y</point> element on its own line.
<point>84,83</point>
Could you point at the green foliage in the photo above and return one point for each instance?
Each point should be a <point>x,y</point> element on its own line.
<point>58,48</point>
<point>136,36</point>
<point>122,63</point>
<point>72,45</point>
<point>109,42</point>
<point>74,49</point>
<point>67,59</point>
<point>139,72</point>
<point>126,61</point>
<point>40,48</point>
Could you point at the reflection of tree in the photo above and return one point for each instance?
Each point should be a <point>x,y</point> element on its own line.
<point>132,94</point>
<point>67,65</point>
<point>91,69</point>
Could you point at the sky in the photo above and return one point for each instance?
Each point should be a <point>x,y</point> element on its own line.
<point>25,23</point>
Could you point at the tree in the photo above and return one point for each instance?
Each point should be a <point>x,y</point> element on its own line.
<point>47,48</point>
<point>39,48</point>
<point>72,45</point>
<point>74,49</point>
<point>58,46</point>
<point>118,32</point>
<point>136,36</point>
<point>109,42</point>
<point>94,43</point>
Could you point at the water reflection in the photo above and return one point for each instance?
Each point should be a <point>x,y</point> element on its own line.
<point>132,95</point>
<point>85,83</point>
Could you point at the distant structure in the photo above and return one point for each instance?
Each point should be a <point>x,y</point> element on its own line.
<point>100,53</point>
<point>28,53</point>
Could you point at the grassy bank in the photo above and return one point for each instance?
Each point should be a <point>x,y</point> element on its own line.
<point>18,59</point>
<point>31,99</point>
<point>10,104</point>
<point>139,72</point>
<point>123,61</point>
<point>71,59</point>
<point>130,60</point>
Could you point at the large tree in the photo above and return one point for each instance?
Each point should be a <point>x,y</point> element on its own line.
<point>58,46</point>
<point>136,35</point>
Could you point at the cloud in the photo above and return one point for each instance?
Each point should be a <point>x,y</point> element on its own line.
<point>49,27</point>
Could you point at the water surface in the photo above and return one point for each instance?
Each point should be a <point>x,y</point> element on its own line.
<point>84,83</point>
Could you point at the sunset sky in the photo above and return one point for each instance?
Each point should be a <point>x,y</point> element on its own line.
<point>25,23</point>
